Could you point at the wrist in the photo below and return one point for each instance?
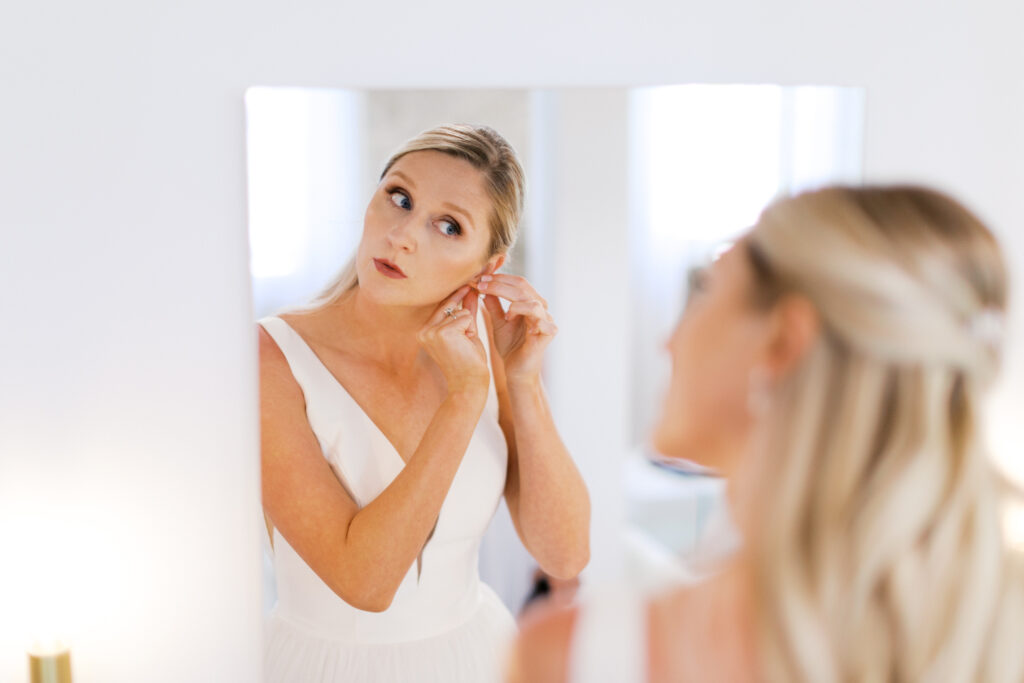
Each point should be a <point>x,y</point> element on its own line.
<point>469,391</point>
<point>524,382</point>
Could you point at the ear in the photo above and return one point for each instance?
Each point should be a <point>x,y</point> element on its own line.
<point>492,265</point>
<point>795,327</point>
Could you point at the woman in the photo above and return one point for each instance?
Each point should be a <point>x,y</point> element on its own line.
<point>394,415</point>
<point>831,366</point>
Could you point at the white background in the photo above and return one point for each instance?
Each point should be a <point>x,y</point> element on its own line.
<point>127,385</point>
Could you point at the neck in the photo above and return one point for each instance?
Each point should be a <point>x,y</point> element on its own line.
<point>745,482</point>
<point>385,335</point>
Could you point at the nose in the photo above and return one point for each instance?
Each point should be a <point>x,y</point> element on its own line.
<point>402,235</point>
<point>673,336</point>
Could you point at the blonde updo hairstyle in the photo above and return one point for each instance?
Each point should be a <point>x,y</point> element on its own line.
<point>875,522</point>
<point>489,153</point>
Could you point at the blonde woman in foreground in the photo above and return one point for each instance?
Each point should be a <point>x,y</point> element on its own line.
<point>832,367</point>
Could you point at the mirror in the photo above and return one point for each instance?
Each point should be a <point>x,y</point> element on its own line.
<point>627,191</point>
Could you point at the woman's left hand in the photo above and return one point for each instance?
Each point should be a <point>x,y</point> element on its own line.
<point>523,332</point>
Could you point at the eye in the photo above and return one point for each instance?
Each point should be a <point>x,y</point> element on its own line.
<point>449,228</point>
<point>698,278</point>
<point>400,199</point>
<point>697,281</point>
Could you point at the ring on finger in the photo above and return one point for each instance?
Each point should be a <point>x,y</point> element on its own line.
<point>450,311</point>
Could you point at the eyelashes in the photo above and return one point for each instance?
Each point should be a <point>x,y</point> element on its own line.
<point>456,228</point>
<point>447,226</point>
<point>399,198</point>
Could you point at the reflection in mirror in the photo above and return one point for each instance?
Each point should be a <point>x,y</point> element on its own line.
<point>698,163</point>
<point>314,159</point>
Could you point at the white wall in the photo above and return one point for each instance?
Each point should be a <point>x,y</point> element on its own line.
<point>127,359</point>
<point>305,180</point>
<point>588,285</point>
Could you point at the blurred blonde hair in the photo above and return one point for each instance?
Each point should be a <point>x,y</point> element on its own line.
<point>876,524</point>
<point>488,152</point>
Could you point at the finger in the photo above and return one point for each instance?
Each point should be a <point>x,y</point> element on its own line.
<point>431,331</point>
<point>510,291</point>
<point>459,318</point>
<point>458,321</point>
<point>493,306</point>
<point>451,302</point>
<point>461,323</point>
<point>530,309</point>
<point>488,274</point>
<point>514,280</point>
<point>545,327</point>
<point>471,302</point>
<point>504,285</point>
<point>541,330</point>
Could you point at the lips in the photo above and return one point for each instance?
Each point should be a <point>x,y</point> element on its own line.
<point>388,269</point>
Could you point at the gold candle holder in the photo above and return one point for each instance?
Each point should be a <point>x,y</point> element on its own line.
<point>50,665</point>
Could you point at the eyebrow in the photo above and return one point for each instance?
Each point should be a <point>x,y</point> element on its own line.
<point>452,208</point>
<point>405,178</point>
<point>465,216</point>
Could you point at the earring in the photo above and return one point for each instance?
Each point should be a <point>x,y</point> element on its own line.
<point>759,397</point>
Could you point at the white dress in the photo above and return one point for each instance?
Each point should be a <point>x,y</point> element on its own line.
<point>444,625</point>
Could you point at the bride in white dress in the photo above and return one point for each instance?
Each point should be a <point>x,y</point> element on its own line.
<point>395,413</point>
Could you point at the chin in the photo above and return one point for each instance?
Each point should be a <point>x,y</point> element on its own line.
<point>379,290</point>
<point>404,294</point>
<point>674,440</point>
<point>664,441</point>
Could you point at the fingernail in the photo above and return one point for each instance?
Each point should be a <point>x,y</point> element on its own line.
<point>485,278</point>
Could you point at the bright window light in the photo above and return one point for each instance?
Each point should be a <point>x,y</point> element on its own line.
<point>706,160</point>
<point>277,135</point>
<point>714,160</point>
<point>1013,523</point>
<point>305,170</point>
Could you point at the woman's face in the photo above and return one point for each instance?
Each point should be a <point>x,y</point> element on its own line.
<point>426,231</point>
<point>714,347</point>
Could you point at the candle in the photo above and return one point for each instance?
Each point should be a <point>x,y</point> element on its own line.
<point>49,663</point>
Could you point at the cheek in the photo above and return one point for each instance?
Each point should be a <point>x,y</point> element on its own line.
<point>373,218</point>
<point>706,401</point>
<point>440,269</point>
<point>453,261</point>
<point>446,267</point>
<point>372,223</point>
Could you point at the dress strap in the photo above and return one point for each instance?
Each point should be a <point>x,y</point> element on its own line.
<point>330,409</point>
<point>309,371</point>
<point>609,641</point>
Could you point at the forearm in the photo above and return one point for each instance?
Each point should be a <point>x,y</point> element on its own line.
<point>545,487</point>
<point>385,537</point>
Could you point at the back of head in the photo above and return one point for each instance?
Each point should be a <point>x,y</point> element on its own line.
<point>877,542</point>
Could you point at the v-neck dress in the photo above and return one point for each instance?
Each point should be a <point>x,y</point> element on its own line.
<point>444,625</point>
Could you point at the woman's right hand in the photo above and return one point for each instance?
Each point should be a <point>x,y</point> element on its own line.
<point>453,343</point>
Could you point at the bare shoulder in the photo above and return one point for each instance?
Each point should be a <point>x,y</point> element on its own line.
<point>704,631</point>
<point>269,351</point>
<point>275,373</point>
<point>284,427</point>
<point>541,652</point>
